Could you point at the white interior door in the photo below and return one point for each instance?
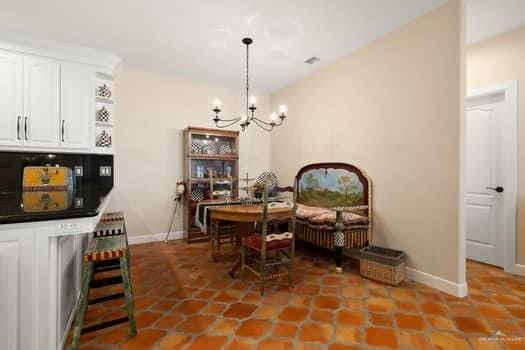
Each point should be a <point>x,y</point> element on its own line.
<point>485,187</point>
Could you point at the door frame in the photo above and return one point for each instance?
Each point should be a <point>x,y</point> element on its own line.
<point>510,90</point>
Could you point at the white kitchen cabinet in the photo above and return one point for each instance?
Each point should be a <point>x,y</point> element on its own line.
<point>77,108</point>
<point>11,98</point>
<point>40,273</point>
<point>15,288</point>
<point>48,100</point>
<point>41,102</point>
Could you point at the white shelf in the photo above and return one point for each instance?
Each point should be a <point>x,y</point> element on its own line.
<point>104,125</point>
<point>105,100</point>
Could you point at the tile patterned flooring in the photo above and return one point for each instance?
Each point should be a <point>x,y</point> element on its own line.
<point>185,301</point>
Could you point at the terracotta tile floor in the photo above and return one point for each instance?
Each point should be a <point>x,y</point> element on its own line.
<point>185,301</point>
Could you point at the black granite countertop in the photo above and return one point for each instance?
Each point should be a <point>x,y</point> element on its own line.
<point>80,202</point>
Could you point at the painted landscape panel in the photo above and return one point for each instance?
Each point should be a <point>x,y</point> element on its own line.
<point>330,188</point>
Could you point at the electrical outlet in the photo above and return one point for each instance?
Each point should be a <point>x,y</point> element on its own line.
<point>79,203</point>
<point>105,171</point>
<point>79,170</point>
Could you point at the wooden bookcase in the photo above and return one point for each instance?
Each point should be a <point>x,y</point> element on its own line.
<point>211,163</point>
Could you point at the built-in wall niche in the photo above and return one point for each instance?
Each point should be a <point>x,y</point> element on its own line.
<point>104,113</point>
<point>104,139</point>
<point>104,88</point>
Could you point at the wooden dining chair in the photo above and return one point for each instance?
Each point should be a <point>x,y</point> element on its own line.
<point>266,253</point>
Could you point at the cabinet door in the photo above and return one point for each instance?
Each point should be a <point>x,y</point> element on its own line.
<point>11,99</point>
<point>15,289</point>
<point>77,96</point>
<point>41,102</point>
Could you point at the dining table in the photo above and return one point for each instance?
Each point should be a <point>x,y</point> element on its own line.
<point>245,217</point>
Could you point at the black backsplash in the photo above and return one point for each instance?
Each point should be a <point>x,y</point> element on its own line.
<point>12,165</point>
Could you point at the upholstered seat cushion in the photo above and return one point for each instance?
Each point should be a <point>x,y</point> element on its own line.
<point>324,216</point>
<point>255,242</point>
<point>349,219</point>
<point>305,212</point>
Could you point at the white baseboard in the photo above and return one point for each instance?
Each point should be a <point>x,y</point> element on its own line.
<point>519,270</point>
<point>157,237</point>
<point>456,289</point>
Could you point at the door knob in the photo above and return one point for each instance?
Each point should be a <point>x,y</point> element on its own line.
<point>498,189</point>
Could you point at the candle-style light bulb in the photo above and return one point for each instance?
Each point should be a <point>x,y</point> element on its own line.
<point>282,109</point>
<point>253,100</point>
<point>217,103</point>
<point>244,118</point>
<point>273,117</point>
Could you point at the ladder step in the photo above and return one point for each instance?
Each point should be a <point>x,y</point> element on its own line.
<point>103,325</point>
<point>106,268</point>
<point>105,263</point>
<point>105,282</point>
<point>106,298</point>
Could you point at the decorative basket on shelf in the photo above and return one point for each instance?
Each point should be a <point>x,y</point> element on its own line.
<point>196,147</point>
<point>382,264</point>
<point>225,149</point>
<point>103,115</point>
<point>208,148</point>
<point>197,195</point>
<point>104,91</point>
<point>104,140</point>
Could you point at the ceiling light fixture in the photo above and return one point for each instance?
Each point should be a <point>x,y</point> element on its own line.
<point>249,117</point>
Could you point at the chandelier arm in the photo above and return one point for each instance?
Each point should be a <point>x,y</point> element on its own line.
<point>262,121</point>
<point>229,122</point>
<point>280,122</point>
<point>262,126</point>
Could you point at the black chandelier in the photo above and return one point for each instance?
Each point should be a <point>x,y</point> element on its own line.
<point>249,117</point>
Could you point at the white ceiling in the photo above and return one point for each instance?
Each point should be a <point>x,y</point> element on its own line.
<point>200,39</point>
<point>487,18</point>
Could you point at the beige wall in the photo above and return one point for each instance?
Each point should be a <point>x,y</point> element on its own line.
<point>497,60</point>
<point>152,112</point>
<point>392,108</point>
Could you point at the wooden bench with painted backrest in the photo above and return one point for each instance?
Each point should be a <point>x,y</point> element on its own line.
<point>334,207</point>
<point>107,250</point>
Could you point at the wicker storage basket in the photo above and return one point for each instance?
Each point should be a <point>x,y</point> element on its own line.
<point>382,264</point>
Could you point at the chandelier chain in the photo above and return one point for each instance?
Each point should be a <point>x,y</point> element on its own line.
<point>247,79</point>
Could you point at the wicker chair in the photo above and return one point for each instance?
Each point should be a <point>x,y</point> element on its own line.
<point>265,253</point>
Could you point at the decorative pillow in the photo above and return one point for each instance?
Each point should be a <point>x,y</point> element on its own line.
<point>278,236</point>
